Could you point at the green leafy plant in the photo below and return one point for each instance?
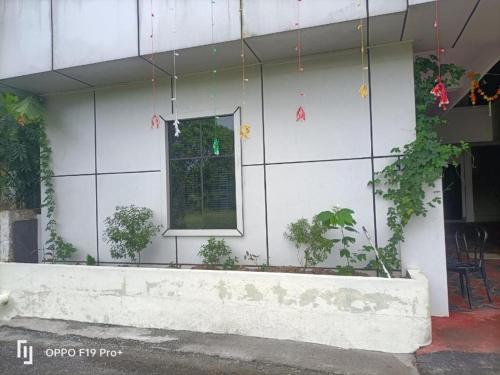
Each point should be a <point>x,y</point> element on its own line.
<point>342,220</point>
<point>25,160</point>
<point>308,237</point>
<point>90,260</point>
<point>231,263</point>
<point>216,252</point>
<point>264,267</point>
<point>419,163</point>
<point>129,231</point>
<point>19,157</point>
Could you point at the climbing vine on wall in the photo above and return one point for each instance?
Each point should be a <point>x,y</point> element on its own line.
<point>19,160</point>
<point>420,163</point>
<point>28,112</point>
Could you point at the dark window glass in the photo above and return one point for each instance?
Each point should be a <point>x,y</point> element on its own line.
<point>202,184</point>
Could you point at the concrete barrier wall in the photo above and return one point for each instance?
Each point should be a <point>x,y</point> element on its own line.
<point>347,312</point>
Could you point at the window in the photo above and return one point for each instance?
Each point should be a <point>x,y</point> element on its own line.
<point>202,183</point>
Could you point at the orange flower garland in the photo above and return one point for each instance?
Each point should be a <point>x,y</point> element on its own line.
<point>474,86</point>
<point>489,99</point>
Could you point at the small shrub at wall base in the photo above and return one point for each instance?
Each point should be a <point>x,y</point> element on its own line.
<point>308,238</point>
<point>90,260</point>
<point>216,252</point>
<point>129,231</point>
<point>341,221</point>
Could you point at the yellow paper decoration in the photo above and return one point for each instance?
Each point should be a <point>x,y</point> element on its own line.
<point>245,131</point>
<point>363,90</point>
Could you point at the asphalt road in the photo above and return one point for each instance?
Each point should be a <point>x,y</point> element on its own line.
<point>101,349</point>
<point>135,358</point>
<point>459,363</point>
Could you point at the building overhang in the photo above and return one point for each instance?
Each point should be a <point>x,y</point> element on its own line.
<point>470,35</point>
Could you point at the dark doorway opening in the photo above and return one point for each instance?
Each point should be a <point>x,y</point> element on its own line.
<point>25,241</point>
<point>486,192</point>
<point>452,193</point>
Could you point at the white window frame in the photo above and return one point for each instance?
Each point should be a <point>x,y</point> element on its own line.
<point>236,232</point>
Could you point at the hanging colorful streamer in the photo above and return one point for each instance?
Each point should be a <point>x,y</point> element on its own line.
<point>439,90</point>
<point>363,89</point>
<point>215,142</point>
<point>300,115</point>
<point>155,119</point>
<point>245,128</point>
<point>176,122</point>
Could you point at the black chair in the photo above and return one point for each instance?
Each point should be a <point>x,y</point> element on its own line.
<point>470,243</point>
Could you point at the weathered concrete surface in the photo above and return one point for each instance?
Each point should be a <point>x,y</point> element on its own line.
<point>346,312</point>
<point>7,220</point>
<point>151,351</point>
<point>459,363</point>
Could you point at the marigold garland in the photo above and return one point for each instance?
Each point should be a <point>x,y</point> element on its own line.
<point>489,99</point>
<point>474,86</point>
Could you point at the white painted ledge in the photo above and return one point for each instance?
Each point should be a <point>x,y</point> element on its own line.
<point>347,312</point>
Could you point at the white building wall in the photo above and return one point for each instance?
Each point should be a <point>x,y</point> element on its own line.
<point>266,17</point>
<point>297,169</point>
<point>191,26</point>
<point>425,246</point>
<point>27,24</point>
<point>61,34</point>
<point>101,30</point>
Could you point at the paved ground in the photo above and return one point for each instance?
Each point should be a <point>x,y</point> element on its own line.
<point>146,351</point>
<point>465,343</point>
<point>459,363</point>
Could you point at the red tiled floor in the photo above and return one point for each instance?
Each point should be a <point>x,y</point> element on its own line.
<point>477,331</point>
<point>466,330</point>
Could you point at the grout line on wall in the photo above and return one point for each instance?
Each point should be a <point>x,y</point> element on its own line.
<point>176,252</point>
<point>95,180</point>
<point>404,21</point>
<point>322,160</point>
<point>72,78</point>
<point>465,25</point>
<point>156,66</point>
<point>370,106</point>
<point>105,173</point>
<point>264,160</point>
<point>138,30</point>
<point>251,50</point>
<point>51,35</point>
